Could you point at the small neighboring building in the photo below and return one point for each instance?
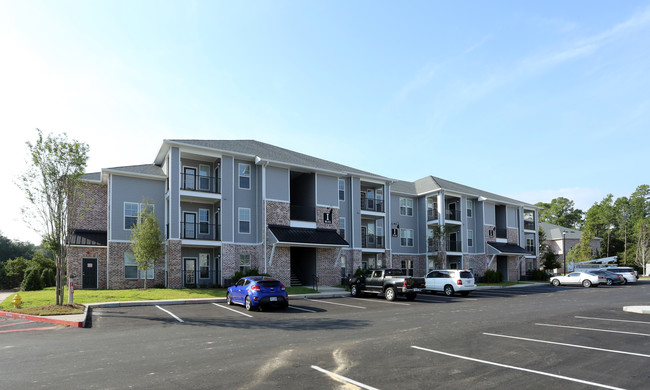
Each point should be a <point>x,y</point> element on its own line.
<point>232,205</point>
<point>561,239</point>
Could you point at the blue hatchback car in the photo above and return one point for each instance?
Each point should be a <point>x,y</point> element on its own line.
<point>255,291</point>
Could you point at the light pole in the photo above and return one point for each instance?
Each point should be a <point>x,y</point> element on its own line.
<point>564,249</point>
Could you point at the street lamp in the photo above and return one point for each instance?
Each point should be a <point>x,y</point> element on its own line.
<point>564,249</point>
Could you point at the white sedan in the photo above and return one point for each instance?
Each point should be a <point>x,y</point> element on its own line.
<point>576,278</point>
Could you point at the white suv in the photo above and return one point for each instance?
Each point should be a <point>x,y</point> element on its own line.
<point>450,281</point>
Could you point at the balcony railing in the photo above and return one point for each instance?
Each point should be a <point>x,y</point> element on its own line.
<point>452,215</point>
<point>372,205</point>
<point>372,241</point>
<point>432,215</point>
<point>454,246</point>
<point>529,225</point>
<point>192,182</point>
<point>200,277</point>
<point>302,213</point>
<point>200,231</point>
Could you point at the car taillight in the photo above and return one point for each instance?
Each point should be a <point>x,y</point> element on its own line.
<point>404,284</point>
<point>459,282</point>
<point>282,287</point>
<point>255,287</point>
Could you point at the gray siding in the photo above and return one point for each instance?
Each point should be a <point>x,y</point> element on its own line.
<point>129,189</point>
<point>513,220</point>
<point>490,213</point>
<point>245,198</point>
<point>405,222</point>
<point>228,192</point>
<point>277,184</point>
<point>173,219</point>
<point>327,190</point>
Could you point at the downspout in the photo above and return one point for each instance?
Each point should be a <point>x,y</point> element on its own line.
<point>258,160</point>
<point>108,228</point>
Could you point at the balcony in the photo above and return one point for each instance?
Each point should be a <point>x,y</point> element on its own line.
<point>454,246</point>
<point>529,225</point>
<point>200,231</point>
<point>199,183</point>
<point>372,205</point>
<point>452,215</point>
<point>432,215</point>
<point>372,241</point>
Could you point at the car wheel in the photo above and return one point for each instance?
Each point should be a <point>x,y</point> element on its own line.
<point>228,299</point>
<point>411,296</point>
<point>464,293</point>
<point>248,304</point>
<point>354,290</point>
<point>624,281</point>
<point>586,283</point>
<point>610,282</point>
<point>449,290</point>
<point>390,294</point>
<point>555,282</point>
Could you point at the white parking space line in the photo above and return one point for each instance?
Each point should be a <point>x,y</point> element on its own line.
<point>612,319</point>
<point>233,310</point>
<point>595,329</point>
<point>383,301</point>
<point>170,313</point>
<point>334,303</point>
<point>567,345</point>
<point>343,379</point>
<point>519,368</point>
<point>300,308</point>
<point>435,298</point>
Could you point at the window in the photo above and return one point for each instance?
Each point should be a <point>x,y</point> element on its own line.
<point>470,206</point>
<point>406,237</point>
<point>204,177</point>
<point>244,220</point>
<point>132,214</point>
<point>244,262</point>
<point>342,227</point>
<point>380,233</point>
<point>131,268</point>
<point>407,267</point>
<point>341,189</point>
<point>470,238</point>
<point>530,245</point>
<point>189,179</point>
<point>406,207</point>
<point>380,200</point>
<point>204,221</point>
<point>204,265</point>
<point>245,176</point>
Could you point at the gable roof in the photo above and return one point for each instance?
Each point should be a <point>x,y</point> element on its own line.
<point>266,152</point>
<point>430,184</point>
<point>554,232</point>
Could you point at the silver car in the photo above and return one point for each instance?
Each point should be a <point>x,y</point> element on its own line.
<point>628,273</point>
<point>583,279</point>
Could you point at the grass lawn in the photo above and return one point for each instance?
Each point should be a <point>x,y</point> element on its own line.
<point>42,302</point>
<point>503,284</point>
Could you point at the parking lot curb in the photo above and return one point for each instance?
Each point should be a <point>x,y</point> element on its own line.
<point>637,309</point>
<point>51,319</point>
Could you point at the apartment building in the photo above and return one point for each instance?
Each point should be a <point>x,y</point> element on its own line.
<point>230,205</point>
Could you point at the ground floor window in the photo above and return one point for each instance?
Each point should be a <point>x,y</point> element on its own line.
<point>131,268</point>
<point>407,267</point>
<point>244,262</point>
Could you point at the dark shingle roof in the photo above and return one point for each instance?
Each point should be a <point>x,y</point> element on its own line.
<point>89,238</point>
<point>293,235</point>
<point>273,153</point>
<point>497,248</point>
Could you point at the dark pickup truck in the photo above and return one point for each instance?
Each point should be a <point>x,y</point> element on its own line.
<point>390,282</point>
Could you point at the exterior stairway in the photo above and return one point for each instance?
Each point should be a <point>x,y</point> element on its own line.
<point>295,280</point>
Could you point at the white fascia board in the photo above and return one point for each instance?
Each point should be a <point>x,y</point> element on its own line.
<point>132,174</point>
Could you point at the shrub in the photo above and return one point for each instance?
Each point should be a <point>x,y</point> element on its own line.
<point>48,278</point>
<point>539,275</point>
<point>358,272</point>
<point>32,281</point>
<point>492,276</point>
<point>251,272</point>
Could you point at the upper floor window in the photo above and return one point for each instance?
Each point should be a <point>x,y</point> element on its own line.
<point>470,207</point>
<point>245,176</point>
<point>341,189</point>
<point>132,212</point>
<point>470,238</point>
<point>406,207</point>
<point>342,227</point>
<point>204,221</point>
<point>406,237</point>
<point>244,220</point>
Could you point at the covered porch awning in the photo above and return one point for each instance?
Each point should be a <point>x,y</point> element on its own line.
<point>502,248</point>
<point>89,238</point>
<point>317,238</point>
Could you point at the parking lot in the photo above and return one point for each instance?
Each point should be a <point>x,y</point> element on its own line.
<point>531,337</point>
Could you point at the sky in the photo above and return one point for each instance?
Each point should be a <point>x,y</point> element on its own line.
<point>531,100</point>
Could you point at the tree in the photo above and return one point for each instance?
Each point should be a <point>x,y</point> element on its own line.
<point>51,184</point>
<point>549,260</point>
<point>438,242</point>
<point>642,257</point>
<point>10,249</point>
<point>147,240</point>
<point>560,212</point>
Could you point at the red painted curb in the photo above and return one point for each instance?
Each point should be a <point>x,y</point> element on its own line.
<point>77,324</point>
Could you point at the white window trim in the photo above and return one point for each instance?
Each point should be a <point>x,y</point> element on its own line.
<point>199,265</point>
<point>140,207</point>
<point>140,274</point>
<point>470,208</point>
<point>209,170</point>
<point>412,237</point>
<point>239,176</point>
<point>342,222</point>
<point>339,192</point>
<point>207,212</point>
<point>406,207</point>
<point>239,220</point>
<point>470,238</point>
